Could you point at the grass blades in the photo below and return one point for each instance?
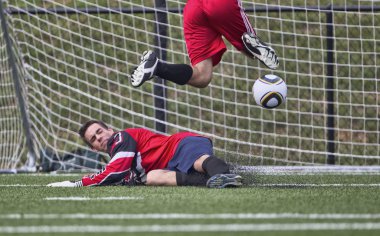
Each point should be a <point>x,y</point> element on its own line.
<point>266,205</point>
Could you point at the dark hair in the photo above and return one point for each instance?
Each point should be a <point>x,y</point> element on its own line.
<point>85,126</point>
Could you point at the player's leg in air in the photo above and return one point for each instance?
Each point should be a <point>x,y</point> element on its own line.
<point>238,30</point>
<point>229,19</point>
<point>203,30</point>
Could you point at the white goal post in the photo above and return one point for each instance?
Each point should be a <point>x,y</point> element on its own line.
<point>74,58</point>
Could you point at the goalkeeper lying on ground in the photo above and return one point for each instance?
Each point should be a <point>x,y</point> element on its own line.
<point>139,156</point>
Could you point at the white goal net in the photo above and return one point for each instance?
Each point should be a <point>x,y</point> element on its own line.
<point>75,57</point>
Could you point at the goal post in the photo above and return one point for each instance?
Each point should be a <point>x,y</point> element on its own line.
<point>77,56</point>
<point>13,107</point>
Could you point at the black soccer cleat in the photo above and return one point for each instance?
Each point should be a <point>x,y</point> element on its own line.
<point>224,181</point>
<point>145,71</point>
<point>260,50</point>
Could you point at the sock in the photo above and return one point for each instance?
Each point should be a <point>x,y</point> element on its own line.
<point>213,165</point>
<point>191,179</point>
<point>177,73</point>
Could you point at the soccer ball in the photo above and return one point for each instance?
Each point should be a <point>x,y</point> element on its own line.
<point>269,91</point>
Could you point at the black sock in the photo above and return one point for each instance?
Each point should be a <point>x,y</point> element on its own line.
<point>213,165</point>
<point>177,73</point>
<point>191,179</point>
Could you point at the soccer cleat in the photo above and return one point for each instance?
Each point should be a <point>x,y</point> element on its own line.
<point>224,180</point>
<point>260,50</point>
<point>145,70</point>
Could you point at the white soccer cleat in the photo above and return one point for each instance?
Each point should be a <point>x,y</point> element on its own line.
<point>145,71</point>
<point>260,50</point>
<point>67,184</point>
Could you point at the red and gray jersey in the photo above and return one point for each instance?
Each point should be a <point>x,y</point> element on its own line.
<point>135,150</point>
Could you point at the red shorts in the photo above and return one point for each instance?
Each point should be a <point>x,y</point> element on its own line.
<point>206,21</point>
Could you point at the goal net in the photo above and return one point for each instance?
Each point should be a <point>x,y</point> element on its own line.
<point>12,140</point>
<point>76,56</point>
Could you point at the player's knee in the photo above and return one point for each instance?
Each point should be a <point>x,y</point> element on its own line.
<point>213,165</point>
<point>199,162</point>
<point>202,74</point>
<point>202,81</point>
<point>161,177</point>
<point>204,84</point>
<point>154,177</point>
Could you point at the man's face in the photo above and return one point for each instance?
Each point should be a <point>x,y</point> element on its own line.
<point>98,137</point>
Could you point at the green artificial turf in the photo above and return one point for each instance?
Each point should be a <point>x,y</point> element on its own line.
<point>259,205</point>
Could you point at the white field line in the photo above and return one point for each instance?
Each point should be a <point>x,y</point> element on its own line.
<point>252,185</point>
<point>22,185</point>
<point>313,216</point>
<point>56,174</point>
<point>189,228</point>
<point>91,199</point>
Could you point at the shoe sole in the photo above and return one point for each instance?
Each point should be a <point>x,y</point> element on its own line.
<point>255,55</point>
<point>151,73</point>
<point>248,45</point>
<point>225,181</point>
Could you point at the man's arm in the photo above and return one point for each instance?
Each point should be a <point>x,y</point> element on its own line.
<point>129,180</point>
<point>122,149</point>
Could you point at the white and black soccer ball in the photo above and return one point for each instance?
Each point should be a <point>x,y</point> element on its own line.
<point>269,91</point>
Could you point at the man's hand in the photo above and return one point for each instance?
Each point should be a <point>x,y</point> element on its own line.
<point>63,184</point>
